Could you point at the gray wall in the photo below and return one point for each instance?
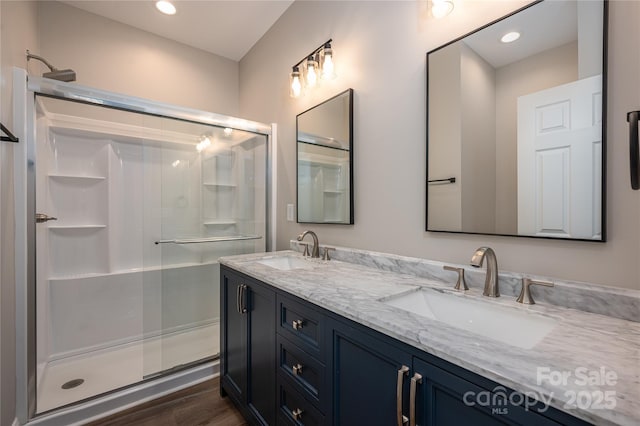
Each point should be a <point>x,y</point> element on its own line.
<point>478,91</point>
<point>380,52</point>
<point>446,157</point>
<point>123,59</point>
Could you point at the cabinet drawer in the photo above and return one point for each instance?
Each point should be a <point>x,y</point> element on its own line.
<point>302,325</point>
<point>305,373</point>
<point>293,409</point>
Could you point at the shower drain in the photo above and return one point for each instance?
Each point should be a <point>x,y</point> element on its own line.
<point>72,384</point>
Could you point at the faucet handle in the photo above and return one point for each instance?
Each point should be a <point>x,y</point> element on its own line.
<point>525,294</point>
<point>461,281</point>
<point>325,253</point>
<point>305,253</point>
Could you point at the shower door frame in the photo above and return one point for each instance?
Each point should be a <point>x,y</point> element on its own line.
<point>25,90</point>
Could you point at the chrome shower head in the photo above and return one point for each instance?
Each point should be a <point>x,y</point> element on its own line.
<point>56,74</point>
<point>62,75</point>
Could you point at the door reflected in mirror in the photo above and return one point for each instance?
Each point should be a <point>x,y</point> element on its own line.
<point>325,161</point>
<point>516,135</point>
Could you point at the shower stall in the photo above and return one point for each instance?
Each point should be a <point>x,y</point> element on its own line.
<point>129,204</point>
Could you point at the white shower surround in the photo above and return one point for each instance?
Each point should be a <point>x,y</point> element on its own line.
<point>122,276</point>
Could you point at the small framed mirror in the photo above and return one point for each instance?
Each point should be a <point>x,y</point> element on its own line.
<point>324,151</point>
<point>516,125</point>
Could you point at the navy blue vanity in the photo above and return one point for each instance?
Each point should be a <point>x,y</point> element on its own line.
<point>286,361</point>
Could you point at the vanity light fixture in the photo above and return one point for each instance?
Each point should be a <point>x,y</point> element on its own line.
<point>319,64</point>
<point>510,37</point>
<point>166,7</point>
<point>441,8</point>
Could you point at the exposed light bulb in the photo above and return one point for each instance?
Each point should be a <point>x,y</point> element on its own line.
<point>441,8</point>
<point>295,83</point>
<point>166,7</point>
<point>228,131</point>
<point>327,63</point>
<point>312,75</point>
<point>510,37</point>
<point>175,163</point>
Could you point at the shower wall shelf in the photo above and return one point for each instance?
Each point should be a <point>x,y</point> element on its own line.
<point>210,240</point>
<point>77,177</point>
<point>58,227</point>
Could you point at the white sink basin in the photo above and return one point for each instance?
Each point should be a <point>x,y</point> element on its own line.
<point>508,325</point>
<point>285,263</point>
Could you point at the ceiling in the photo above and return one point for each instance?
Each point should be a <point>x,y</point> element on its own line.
<point>544,26</point>
<point>226,28</point>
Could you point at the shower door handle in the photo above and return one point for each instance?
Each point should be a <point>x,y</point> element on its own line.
<point>41,218</point>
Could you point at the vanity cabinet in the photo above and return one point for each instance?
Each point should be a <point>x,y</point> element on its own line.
<point>368,377</point>
<point>247,355</point>
<point>285,361</point>
<point>303,379</point>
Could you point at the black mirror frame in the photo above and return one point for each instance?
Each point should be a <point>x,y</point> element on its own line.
<point>351,196</point>
<point>605,32</point>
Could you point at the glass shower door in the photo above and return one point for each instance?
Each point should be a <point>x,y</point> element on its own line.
<point>127,275</point>
<point>212,203</point>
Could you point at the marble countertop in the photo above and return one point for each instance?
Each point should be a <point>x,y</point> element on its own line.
<point>600,350</point>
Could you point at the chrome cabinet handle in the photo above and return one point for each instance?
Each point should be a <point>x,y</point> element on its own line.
<point>415,381</point>
<point>297,369</point>
<point>297,414</point>
<point>41,217</point>
<point>297,324</point>
<point>243,304</point>
<point>402,419</point>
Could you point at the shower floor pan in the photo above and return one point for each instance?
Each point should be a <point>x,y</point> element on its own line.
<point>109,369</point>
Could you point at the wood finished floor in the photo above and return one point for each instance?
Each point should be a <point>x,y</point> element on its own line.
<point>198,405</point>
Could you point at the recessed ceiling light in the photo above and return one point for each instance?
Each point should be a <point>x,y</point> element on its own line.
<point>510,37</point>
<point>166,7</point>
<point>441,8</point>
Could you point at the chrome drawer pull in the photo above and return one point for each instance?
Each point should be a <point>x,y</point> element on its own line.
<point>297,324</point>
<point>402,419</point>
<point>415,381</point>
<point>297,414</point>
<point>297,369</point>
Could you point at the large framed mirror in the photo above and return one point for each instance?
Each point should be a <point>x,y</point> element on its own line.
<point>516,125</point>
<point>324,150</point>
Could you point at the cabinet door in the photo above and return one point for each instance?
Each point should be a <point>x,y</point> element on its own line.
<point>365,376</point>
<point>260,303</point>
<point>233,351</point>
<point>445,399</point>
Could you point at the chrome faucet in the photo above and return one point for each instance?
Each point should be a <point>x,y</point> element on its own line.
<point>315,251</point>
<point>491,282</point>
